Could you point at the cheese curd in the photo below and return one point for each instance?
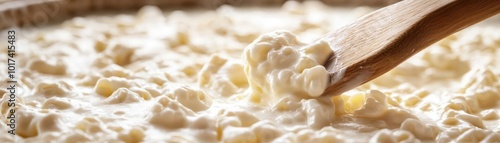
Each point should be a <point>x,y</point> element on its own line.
<point>241,75</point>
<point>276,63</point>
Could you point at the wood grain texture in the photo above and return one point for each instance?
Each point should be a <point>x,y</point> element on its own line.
<point>381,40</point>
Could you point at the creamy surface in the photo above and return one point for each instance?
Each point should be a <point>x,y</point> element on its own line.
<point>241,75</point>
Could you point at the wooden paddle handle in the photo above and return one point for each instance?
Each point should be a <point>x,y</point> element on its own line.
<point>440,18</point>
<point>381,40</point>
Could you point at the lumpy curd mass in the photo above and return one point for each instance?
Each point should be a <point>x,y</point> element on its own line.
<point>241,75</point>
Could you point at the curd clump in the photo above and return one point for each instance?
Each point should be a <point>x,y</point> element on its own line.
<point>277,63</point>
<point>207,76</point>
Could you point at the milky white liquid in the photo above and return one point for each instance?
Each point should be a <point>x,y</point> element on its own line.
<point>242,75</point>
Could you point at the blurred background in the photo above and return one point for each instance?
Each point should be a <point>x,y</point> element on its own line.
<point>39,12</point>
